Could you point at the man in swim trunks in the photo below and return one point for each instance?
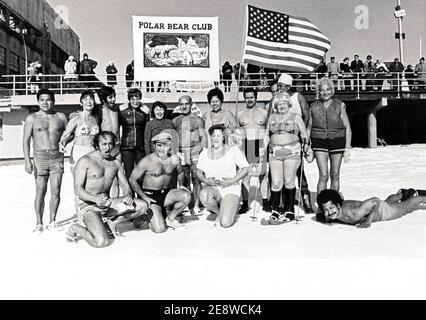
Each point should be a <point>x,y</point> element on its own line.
<point>93,177</point>
<point>363,213</point>
<point>45,127</point>
<point>253,121</point>
<point>157,171</point>
<point>192,139</point>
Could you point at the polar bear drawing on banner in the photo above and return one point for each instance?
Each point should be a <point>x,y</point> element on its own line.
<point>159,51</point>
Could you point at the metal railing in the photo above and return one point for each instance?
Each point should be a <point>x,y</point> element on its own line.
<point>350,83</point>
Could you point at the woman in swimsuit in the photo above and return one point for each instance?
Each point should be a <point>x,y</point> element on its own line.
<point>83,128</point>
<point>286,130</point>
<point>216,115</point>
<point>220,169</point>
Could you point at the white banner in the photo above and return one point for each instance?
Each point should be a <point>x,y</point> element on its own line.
<point>176,48</point>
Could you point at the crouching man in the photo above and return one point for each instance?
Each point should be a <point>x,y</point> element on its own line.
<point>93,177</point>
<point>158,171</point>
<point>363,213</point>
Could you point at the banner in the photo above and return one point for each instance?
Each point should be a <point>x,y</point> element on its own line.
<point>176,48</point>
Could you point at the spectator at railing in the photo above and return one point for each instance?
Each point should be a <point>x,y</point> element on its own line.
<point>370,71</point>
<point>35,71</point>
<point>227,76</point>
<point>420,70</point>
<point>239,72</point>
<point>253,74</point>
<point>381,69</point>
<point>409,76</point>
<point>333,70</point>
<point>70,68</point>
<point>396,66</point>
<point>111,71</point>
<point>87,71</point>
<point>357,67</point>
<point>321,69</point>
<point>130,74</point>
<point>346,69</point>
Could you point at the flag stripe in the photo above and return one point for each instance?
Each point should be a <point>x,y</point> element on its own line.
<point>300,18</point>
<point>251,45</point>
<point>279,57</point>
<point>296,67</point>
<point>306,43</point>
<point>306,32</point>
<point>302,47</point>
<point>306,23</point>
<point>294,25</point>
<point>308,36</point>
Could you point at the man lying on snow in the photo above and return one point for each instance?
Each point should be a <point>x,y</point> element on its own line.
<point>363,213</point>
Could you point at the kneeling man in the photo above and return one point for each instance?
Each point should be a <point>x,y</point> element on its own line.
<point>93,176</point>
<point>158,170</point>
<point>363,213</point>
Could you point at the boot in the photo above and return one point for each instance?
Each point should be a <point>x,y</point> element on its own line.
<point>306,200</point>
<point>244,208</point>
<point>275,200</point>
<point>289,197</point>
<point>266,205</point>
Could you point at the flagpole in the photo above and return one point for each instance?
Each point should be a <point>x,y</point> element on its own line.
<point>241,62</point>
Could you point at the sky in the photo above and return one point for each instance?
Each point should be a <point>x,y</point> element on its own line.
<point>353,26</point>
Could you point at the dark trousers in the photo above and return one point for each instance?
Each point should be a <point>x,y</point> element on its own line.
<point>304,183</point>
<point>130,158</point>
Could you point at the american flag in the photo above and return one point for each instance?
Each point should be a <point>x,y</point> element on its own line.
<point>279,41</point>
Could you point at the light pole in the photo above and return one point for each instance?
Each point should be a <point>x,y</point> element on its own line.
<point>399,13</point>
<point>23,33</point>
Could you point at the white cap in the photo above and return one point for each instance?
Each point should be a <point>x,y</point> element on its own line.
<point>286,79</point>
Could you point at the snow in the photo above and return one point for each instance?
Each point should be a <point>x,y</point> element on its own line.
<point>246,261</point>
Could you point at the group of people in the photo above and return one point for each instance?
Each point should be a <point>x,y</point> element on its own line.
<point>374,73</point>
<point>84,71</point>
<point>163,166</point>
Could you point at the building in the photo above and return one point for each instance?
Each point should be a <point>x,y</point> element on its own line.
<point>31,30</point>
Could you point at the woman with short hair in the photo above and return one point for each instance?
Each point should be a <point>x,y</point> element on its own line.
<point>330,134</point>
<point>159,123</point>
<point>220,169</point>
<point>286,131</point>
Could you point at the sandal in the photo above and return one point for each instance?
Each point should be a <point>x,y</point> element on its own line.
<point>71,238</point>
<point>54,226</point>
<point>38,229</point>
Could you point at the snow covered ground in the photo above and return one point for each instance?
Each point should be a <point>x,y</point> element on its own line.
<point>247,261</point>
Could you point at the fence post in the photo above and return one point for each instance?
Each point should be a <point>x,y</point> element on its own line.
<point>13,85</point>
<point>357,85</point>
<point>316,87</point>
<point>398,88</point>
<point>60,84</point>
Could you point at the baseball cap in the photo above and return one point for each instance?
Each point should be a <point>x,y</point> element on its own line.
<point>286,79</point>
<point>162,137</point>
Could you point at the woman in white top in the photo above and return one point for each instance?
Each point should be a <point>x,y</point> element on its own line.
<point>220,169</point>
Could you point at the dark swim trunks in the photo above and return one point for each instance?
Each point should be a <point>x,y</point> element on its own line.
<point>159,196</point>
<point>48,162</point>
<point>336,145</point>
